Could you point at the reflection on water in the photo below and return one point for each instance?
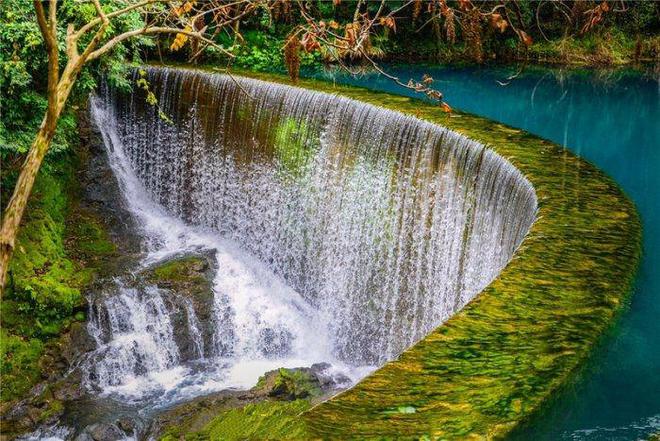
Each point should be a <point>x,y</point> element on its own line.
<point>611,119</point>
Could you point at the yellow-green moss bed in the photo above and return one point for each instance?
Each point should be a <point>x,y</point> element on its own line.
<point>493,364</point>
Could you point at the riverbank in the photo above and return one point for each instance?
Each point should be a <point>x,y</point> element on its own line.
<point>615,49</point>
<point>600,50</point>
<point>64,246</point>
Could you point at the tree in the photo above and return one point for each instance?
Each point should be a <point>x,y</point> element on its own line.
<point>187,20</point>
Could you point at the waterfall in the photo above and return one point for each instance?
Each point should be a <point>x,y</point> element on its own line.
<point>341,231</point>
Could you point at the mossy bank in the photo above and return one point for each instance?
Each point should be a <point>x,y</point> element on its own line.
<point>61,248</point>
<point>495,363</point>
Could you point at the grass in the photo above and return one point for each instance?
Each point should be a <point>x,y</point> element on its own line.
<point>612,48</point>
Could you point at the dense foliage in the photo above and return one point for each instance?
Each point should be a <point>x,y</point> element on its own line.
<point>562,31</point>
<point>23,74</point>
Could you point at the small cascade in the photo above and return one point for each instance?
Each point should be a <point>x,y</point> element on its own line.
<point>340,232</point>
<point>134,336</point>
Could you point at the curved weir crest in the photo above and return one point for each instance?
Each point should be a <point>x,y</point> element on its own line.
<point>341,232</point>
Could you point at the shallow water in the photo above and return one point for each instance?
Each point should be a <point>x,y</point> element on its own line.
<point>610,119</point>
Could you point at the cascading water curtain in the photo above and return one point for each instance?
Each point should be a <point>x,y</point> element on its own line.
<point>385,224</point>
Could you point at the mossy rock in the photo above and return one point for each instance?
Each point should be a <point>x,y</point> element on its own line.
<point>266,420</point>
<point>187,273</point>
<point>41,408</point>
<point>19,365</point>
<point>187,282</point>
<point>189,277</point>
<point>270,410</point>
<point>61,249</point>
<point>289,384</point>
<point>263,420</point>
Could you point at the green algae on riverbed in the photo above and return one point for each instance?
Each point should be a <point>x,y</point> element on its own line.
<point>493,364</point>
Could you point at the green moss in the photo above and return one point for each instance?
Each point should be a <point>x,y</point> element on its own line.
<point>43,281</point>
<point>59,250</point>
<point>496,362</point>
<point>19,364</point>
<point>267,420</point>
<point>289,384</point>
<point>609,48</point>
<point>178,270</point>
<point>292,144</point>
<point>91,238</point>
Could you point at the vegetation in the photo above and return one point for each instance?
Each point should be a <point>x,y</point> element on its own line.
<point>60,249</point>
<point>266,420</point>
<point>443,31</point>
<point>272,410</point>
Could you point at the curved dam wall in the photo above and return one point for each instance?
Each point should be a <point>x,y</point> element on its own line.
<point>385,225</point>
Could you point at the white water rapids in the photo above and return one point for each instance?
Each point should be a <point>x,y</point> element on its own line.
<point>341,232</point>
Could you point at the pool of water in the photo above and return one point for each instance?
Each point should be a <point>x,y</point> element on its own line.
<point>610,118</point>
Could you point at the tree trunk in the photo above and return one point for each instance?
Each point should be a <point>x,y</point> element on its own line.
<point>14,212</point>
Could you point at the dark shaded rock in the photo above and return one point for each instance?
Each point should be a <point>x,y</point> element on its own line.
<point>187,279</point>
<point>41,408</point>
<point>101,190</point>
<point>79,343</point>
<point>70,387</point>
<point>126,424</point>
<point>329,381</point>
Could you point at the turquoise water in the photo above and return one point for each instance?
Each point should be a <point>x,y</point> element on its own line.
<point>613,120</point>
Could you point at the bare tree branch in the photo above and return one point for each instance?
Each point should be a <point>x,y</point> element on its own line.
<point>151,31</point>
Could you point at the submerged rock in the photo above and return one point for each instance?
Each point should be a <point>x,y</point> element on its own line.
<point>102,432</point>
